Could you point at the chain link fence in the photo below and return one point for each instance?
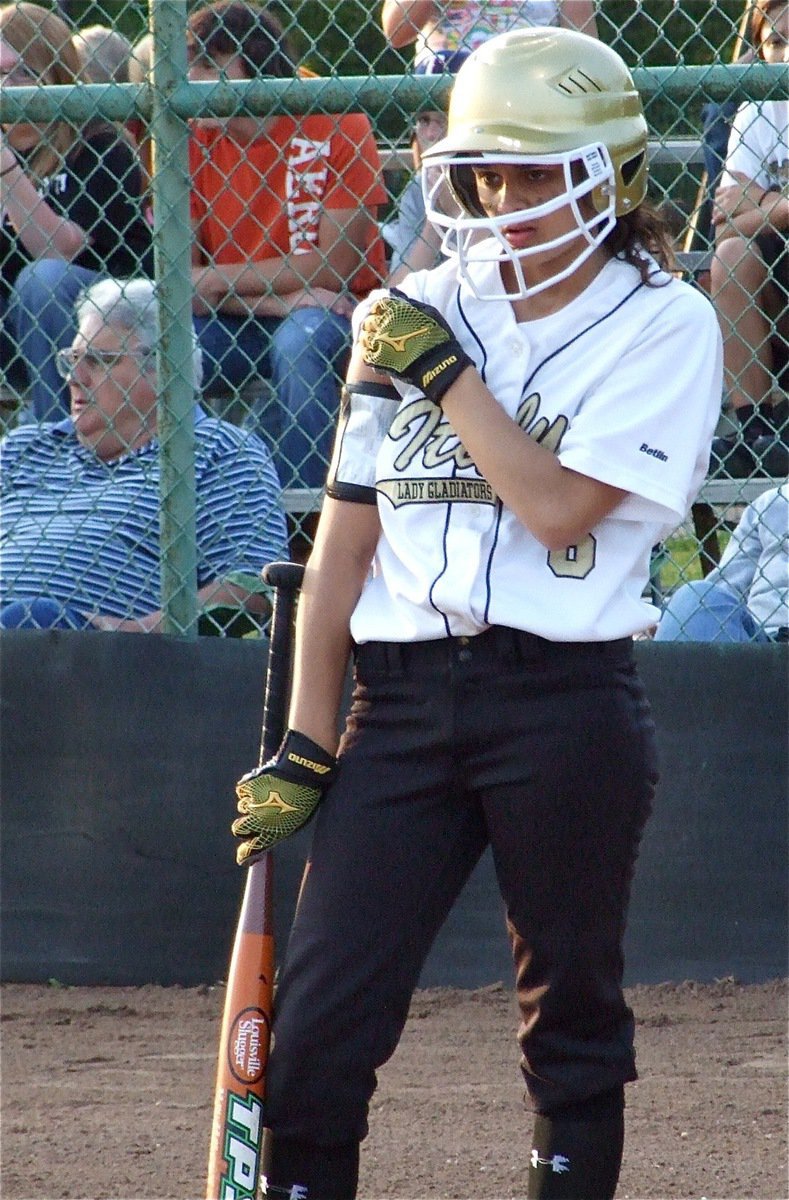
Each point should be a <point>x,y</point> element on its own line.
<point>260,166</point>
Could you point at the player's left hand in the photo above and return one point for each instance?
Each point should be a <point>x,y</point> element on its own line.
<point>278,798</point>
<point>412,341</point>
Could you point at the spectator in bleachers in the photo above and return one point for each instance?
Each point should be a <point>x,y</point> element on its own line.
<point>70,205</point>
<point>286,241</point>
<point>750,269</point>
<point>436,25</point>
<point>105,54</point>
<point>746,597</point>
<point>415,242</point>
<point>716,119</point>
<point>79,522</point>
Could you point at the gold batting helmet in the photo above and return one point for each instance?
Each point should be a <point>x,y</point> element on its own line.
<point>540,95</point>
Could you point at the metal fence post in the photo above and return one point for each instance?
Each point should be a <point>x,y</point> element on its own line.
<point>172,251</point>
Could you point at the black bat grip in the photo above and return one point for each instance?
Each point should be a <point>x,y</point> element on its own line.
<point>285,578</point>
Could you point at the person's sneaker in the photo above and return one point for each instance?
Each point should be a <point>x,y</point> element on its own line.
<point>772,456</point>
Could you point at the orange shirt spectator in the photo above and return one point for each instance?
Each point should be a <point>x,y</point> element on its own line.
<point>284,211</point>
<point>266,199</point>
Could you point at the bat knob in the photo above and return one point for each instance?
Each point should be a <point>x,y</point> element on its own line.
<point>286,575</point>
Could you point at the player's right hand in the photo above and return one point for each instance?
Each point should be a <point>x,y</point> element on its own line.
<point>412,341</point>
<point>278,798</point>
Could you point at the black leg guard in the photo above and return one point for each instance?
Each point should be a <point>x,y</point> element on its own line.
<point>304,1171</point>
<point>577,1150</point>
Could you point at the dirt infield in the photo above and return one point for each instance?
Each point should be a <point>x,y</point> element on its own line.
<point>107,1094</point>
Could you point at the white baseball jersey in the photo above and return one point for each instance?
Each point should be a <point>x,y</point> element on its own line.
<point>623,384</point>
<point>759,144</point>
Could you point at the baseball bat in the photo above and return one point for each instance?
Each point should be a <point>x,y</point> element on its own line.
<point>234,1160</point>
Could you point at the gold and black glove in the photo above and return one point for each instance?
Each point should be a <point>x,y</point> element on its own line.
<point>278,798</point>
<point>412,341</point>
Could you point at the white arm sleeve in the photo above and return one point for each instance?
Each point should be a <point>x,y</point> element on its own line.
<point>366,413</point>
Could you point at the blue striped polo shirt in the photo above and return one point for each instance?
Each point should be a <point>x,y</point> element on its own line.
<point>86,532</point>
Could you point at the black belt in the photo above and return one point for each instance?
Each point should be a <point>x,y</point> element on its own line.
<point>497,643</point>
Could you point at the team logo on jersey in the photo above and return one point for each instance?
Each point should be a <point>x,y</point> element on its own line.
<point>424,430</point>
<point>436,491</point>
<point>428,439</point>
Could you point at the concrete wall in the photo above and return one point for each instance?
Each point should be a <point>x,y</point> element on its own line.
<point>118,756</point>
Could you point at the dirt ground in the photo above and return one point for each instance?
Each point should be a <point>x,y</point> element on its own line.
<point>107,1093</point>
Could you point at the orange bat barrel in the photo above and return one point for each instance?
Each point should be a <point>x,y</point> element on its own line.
<point>237,1130</point>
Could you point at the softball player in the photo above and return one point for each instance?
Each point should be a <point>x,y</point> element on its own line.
<point>519,427</point>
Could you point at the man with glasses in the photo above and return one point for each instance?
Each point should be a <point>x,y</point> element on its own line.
<point>79,521</point>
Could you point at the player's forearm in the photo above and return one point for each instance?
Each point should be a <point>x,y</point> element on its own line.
<point>557,505</point>
<point>333,582</point>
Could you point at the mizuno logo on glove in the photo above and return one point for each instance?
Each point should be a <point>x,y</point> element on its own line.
<point>301,761</point>
<point>398,343</point>
<point>274,800</point>
<point>434,373</point>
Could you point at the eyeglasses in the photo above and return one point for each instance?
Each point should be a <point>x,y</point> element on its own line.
<point>68,360</point>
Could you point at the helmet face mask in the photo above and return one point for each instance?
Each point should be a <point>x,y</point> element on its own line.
<point>473,236</point>
<point>531,97</point>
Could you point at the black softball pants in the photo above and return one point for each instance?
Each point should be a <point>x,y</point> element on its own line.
<point>543,750</point>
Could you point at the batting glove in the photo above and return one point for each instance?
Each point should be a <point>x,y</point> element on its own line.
<point>278,798</point>
<point>413,342</point>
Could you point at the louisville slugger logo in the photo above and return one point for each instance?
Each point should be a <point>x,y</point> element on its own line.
<point>247,1048</point>
<point>243,1140</point>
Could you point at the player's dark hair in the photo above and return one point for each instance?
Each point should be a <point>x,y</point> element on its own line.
<point>643,229</point>
<point>236,27</point>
